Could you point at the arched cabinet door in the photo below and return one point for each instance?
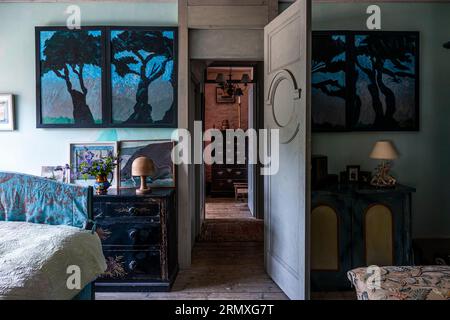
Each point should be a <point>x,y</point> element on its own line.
<point>330,242</point>
<point>379,236</point>
<point>378,231</point>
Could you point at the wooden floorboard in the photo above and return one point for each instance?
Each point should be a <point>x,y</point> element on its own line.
<point>219,271</point>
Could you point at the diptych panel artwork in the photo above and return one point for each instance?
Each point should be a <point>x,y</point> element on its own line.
<point>328,81</point>
<point>365,81</point>
<point>385,81</point>
<point>70,77</point>
<point>106,77</point>
<point>143,78</point>
<point>157,150</point>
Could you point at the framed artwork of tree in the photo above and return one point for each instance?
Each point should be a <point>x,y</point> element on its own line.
<point>374,74</point>
<point>106,77</point>
<point>143,78</point>
<point>70,77</point>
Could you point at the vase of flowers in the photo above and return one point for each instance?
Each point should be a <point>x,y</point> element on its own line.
<point>100,167</point>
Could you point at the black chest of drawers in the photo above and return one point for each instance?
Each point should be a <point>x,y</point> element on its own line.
<point>139,239</point>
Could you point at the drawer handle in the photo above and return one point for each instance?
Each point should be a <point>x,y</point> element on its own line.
<point>132,265</point>
<point>132,234</point>
<point>132,211</point>
<point>238,173</point>
<point>220,173</point>
<point>229,181</point>
<point>229,170</point>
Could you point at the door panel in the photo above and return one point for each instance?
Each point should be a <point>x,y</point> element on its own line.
<point>287,196</point>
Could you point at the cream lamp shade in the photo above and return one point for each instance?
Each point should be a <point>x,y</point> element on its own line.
<point>384,150</point>
<point>143,167</point>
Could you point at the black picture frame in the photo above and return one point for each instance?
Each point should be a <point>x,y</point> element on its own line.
<point>106,107</point>
<point>353,173</point>
<point>351,82</point>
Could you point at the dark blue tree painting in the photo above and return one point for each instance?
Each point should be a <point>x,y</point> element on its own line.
<point>70,77</point>
<point>329,90</point>
<point>365,81</point>
<point>143,77</point>
<point>385,81</point>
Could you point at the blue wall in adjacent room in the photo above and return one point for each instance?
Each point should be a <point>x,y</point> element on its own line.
<point>425,155</point>
<point>28,148</point>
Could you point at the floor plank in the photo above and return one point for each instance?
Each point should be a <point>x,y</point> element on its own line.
<point>219,271</point>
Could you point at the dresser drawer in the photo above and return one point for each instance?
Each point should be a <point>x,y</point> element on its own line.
<point>233,173</point>
<point>122,232</point>
<point>131,209</point>
<point>132,265</point>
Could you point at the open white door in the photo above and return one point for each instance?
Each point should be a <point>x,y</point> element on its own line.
<point>287,108</point>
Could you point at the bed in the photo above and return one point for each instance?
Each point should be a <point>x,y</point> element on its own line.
<point>47,247</point>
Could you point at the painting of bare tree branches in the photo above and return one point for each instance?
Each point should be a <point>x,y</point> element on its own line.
<point>365,81</point>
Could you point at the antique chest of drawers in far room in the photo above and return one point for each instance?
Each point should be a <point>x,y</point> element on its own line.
<point>139,239</point>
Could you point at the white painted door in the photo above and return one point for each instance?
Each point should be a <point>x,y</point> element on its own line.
<point>287,108</point>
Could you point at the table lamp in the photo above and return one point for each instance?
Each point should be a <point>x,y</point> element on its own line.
<point>143,167</point>
<point>385,151</point>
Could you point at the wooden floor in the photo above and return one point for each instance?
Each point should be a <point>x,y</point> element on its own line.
<point>227,270</point>
<point>226,208</point>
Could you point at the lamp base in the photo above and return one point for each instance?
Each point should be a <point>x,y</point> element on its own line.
<point>143,191</point>
<point>382,178</point>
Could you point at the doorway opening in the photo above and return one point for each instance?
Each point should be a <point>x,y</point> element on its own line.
<point>229,188</point>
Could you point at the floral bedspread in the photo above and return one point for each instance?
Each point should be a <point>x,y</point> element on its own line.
<point>38,200</point>
<point>401,283</point>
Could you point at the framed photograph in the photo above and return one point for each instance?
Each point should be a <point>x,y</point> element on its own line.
<point>6,112</point>
<point>353,173</point>
<point>365,177</point>
<point>365,81</point>
<point>223,97</point>
<point>70,77</point>
<point>57,173</point>
<point>160,151</point>
<point>100,150</point>
<point>143,81</point>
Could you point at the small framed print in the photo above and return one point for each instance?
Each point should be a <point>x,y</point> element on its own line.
<point>6,112</point>
<point>100,150</point>
<point>56,173</point>
<point>223,97</point>
<point>353,173</point>
<point>157,150</point>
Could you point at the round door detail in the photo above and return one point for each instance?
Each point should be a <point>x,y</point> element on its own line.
<point>284,98</point>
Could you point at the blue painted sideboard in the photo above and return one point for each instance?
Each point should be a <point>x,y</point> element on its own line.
<point>354,226</point>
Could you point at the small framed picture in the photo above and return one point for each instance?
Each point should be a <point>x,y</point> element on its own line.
<point>6,112</point>
<point>365,177</point>
<point>57,173</point>
<point>77,154</point>
<point>160,151</point>
<point>353,173</point>
<point>223,97</point>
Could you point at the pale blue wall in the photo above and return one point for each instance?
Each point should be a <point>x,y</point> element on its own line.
<point>28,148</point>
<point>425,155</point>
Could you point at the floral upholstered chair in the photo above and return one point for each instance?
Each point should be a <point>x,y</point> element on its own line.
<point>401,283</point>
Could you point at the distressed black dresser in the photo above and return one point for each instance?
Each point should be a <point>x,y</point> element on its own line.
<point>139,238</point>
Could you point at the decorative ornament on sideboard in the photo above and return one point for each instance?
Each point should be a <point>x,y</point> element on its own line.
<point>143,167</point>
<point>385,151</point>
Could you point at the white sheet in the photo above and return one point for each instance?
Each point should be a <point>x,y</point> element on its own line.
<point>34,259</point>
